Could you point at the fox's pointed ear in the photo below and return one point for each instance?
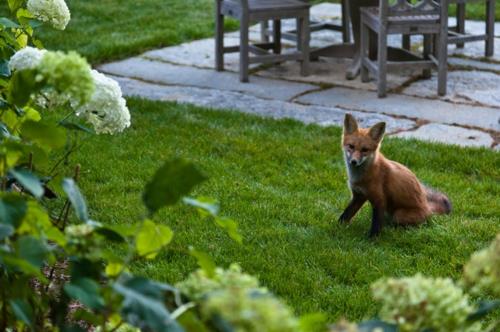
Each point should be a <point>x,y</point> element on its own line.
<point>377,131</point>
<point>350,124</point>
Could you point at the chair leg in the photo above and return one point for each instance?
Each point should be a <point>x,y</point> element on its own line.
<point>304,43</point>
<point>299,32</point>
<point>406,43</point>
<point>264,27</point>
<point>426,73</point>
<point>244,48</point>
<point>364,36</point>
<point>382,63</point>
<point>277,36</point>
<point>460,21</point>
<point>442,57</point>
<point>490,27</point>
<point>346,32</point>
<point>219,38</point>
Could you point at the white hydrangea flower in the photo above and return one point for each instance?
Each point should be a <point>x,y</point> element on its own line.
<point>107,110</point>
<point>26,58</point>
<point>55,12</point>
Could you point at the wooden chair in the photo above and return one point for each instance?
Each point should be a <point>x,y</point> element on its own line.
<point>343,28</point>
<point>426,18</point>
<point>457,34</point>
<point>247,11</point>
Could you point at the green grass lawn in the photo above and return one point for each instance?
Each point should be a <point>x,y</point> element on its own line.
<point>285,184</point>
<point>104,30</point>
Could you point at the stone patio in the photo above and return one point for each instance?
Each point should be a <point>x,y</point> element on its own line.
<point>469,115</point>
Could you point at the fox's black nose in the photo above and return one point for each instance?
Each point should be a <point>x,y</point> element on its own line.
<point>354,162</point>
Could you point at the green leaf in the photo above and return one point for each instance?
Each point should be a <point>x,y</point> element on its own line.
<point>32,250</point>
<point>231,227</point>
<point>204,261</point>
<point>46,135</point>
<point>6,231</point>
<point>8,23</point>
<point>204,205</point>
<point>18,264</point>
<point>173,180</point>
<point>4,131</point>
<point>75,126</point>
<point>15,4</point>
<point>22,310</point>
<point>315,322</point>
<point>152,238</point>
<point>29,181</point>
<point>4,67</point>
<point>376,325</point>
<point>37,221</point>
<point>76,199</point>
<point>12,210</point>
<point>110,234</point>
<point>143,305</point>
<point>22,85</point>
<point>485,307</point>
<point>86,291</point>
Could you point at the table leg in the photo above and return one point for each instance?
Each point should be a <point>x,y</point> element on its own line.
<point>355,13</point>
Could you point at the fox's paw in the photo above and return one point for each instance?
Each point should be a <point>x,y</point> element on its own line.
<point>374,233</point>
<point>343,219</point>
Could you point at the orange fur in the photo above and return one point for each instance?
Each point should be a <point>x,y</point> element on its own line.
<point>389,186</point>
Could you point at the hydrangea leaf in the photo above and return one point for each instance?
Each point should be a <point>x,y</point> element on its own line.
<point>152,238</point>
<point>170,183</point>
<point>32,250</point>
<point>22,310</point>
<point>12,210</point>
<point>231,227</point>
<point>143,305</point>
<point>204,261</point>
<point>86,291</point>
<point>29,181</point>
<point>46,135</point>
<point>76,199</point>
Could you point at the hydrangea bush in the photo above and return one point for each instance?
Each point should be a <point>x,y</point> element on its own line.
<point>482,272</point>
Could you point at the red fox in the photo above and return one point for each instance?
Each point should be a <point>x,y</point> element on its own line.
<point>390,187</point>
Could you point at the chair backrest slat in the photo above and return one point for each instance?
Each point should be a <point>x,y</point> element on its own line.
<point>406,8</point>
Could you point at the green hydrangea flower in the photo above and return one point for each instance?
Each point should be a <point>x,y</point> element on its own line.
<point>418,303</point>
<point>68,74</point>
<point>237,298</point>
<point>250,311</point>
<point>482,272</point>
<point>198,284</point>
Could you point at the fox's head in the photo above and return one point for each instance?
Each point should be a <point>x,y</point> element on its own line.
<point>361,144</point>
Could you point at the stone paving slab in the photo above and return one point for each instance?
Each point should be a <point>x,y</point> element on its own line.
<point>330,71</point>
<point>462,63</point>
<point>470,87</point>
<point>324,116</point>
<point>436,132</point>
<point>407,106</point>
<point>165,73</point>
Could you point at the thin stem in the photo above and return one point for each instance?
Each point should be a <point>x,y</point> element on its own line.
<point>3,327</point>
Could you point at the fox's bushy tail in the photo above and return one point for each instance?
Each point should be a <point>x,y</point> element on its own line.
<point>438,202</point>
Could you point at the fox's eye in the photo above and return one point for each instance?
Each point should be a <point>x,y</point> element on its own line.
<point>364,150</point>
<point>350,146</point>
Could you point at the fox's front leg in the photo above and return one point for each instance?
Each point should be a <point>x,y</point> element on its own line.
<point>356,203</point>
<point>378,213</point>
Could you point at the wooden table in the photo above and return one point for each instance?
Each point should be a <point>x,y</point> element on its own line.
<point>352,50</point>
